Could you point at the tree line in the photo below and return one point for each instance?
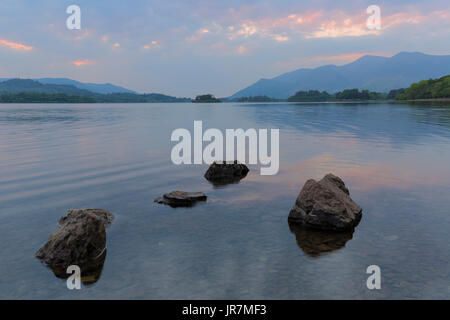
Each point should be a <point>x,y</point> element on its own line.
<point>425,89</point>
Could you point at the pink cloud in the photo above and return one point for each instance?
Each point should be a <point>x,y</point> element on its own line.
<point>335,29</point>
<point>15,46</point>
<point>242,50</point>
<point>198,35</point>
<point>280,38</point>
<point>151,45</point>
<point>319,24</point>
<point>81,63</point>
<point>343,25</point>
<point>85,34</point>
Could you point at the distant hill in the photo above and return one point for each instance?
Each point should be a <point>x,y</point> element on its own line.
<point>28,85</point>
<point>373,73</point>
<point>27,90</point>
<point>104,88</point>
<point>94,87</point>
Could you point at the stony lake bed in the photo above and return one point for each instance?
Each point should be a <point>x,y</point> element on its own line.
<point>238,244</point>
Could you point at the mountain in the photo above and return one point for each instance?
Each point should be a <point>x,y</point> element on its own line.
<point>28,85</point>
<point>104,88</point>
<point>373,73</point>
<point>28,90</point>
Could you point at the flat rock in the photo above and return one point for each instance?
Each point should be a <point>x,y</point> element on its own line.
<point>226,172</point>
<point>80,239</point>
<point>181,198</point>
<point>326,205</point>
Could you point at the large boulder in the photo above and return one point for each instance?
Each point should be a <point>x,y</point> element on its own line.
<point>106,216</point>
<point>326,205</point>
<point>226,172</point>
<point>181,198</point>
<point>80,239</point>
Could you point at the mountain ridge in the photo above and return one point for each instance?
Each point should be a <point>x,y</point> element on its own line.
<point>23,89</point>
<point>369,72</point>
<point>103,88</point>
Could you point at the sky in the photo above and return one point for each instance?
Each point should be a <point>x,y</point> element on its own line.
<point>190,47</point>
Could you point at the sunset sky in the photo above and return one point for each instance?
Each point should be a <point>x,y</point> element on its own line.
<point>185,48</point>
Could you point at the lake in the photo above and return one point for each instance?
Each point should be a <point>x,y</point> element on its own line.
<point>394,158</point>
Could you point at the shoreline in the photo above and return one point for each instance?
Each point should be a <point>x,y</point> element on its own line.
<point>242,102</point>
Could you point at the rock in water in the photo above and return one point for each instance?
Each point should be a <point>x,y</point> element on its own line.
<point>181,198</point>
<point>106,216</point>
<point>80,239</point>
<point>224,173</point>
<point>326,205</point>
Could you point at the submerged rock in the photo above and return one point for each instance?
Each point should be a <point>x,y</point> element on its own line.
<point>326,205</point>
<point>181,198</point>
<point>80,239</point>
<point>315,243</point>
<point>226,172</point>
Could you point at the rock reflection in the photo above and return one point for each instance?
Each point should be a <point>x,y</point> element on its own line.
<point>90,272</point>
<point>225,181</point>
<point>316,242</point>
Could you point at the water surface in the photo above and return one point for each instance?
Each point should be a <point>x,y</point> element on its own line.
<point>394,159</point>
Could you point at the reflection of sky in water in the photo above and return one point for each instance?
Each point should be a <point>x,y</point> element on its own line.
<point>393,158</point>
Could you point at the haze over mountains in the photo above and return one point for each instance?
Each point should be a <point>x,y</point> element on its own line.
<point>373,73</point>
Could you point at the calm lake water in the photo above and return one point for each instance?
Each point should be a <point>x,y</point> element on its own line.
<point>394,158</point>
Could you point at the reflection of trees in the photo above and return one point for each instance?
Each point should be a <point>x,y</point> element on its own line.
<point>430,112</point>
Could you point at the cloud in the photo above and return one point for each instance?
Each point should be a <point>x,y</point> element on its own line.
<point>15,46</point>
<point>343,25</point>
<point>335,29</point>
<point>242,50</point>
<point>281,38</point>
<point>151,45</point>
<point>81,63</point>
<point>198,35</point>
<point>314,24</point>
<point>84,34</point>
